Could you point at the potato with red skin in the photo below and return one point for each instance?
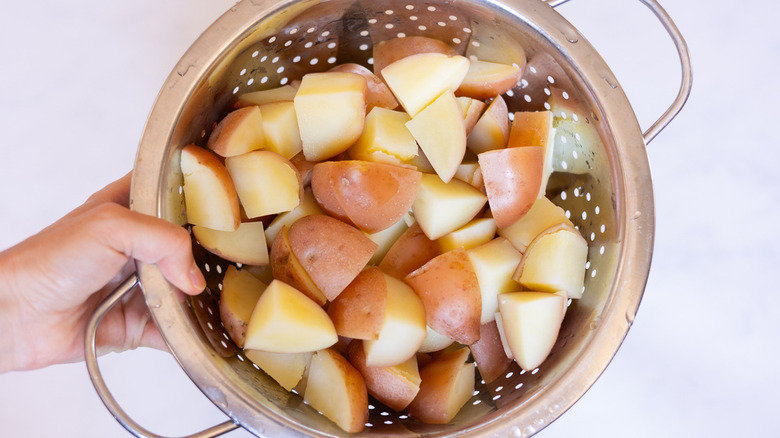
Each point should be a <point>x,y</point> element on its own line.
<point>330,251</point>
<point>394,386</point>
<point>377,93</point>
<point>489,353</point>
<point>337,389</point>
<point>238,132</point>
<point>371,196</point>
<point>449,290</point>
<point>287,268</point>
<point>512,179</point>
<point>209,193</point>
<point>412,250</point>
<point>447,383</point>
<point>485,80</point>
<point>359,310</point>
<point>492,129</point>
<point>387,52</point>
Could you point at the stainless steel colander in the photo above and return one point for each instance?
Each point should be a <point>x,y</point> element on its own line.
<point>602,180</point>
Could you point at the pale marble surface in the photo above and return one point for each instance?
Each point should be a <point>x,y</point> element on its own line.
<point>80,77</point>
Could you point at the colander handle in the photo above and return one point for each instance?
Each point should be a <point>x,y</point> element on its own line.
<point>685,63</point>
<point>90,353</point>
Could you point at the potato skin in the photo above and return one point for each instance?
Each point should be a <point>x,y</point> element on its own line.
<point>372,196</point>
<point>359,310</point>
<point>330,251</point>
<point>449,290</point>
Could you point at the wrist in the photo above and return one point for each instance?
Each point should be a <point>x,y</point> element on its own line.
<point>11,356</point>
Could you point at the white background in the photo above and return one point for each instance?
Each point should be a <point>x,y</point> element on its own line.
<point>78,79</point>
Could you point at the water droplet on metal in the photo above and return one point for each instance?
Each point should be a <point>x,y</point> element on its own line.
<point>630,318</point>
<point>571,35</point>
<point>595,323</point>
<point>611,82</point>
<point>637,215</point>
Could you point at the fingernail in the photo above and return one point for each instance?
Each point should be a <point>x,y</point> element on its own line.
<point>196,278</point>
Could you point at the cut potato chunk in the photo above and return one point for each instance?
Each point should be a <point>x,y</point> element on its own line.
<point>285,320</point>
<point>535,129</point>
<point>387,237</point>
<point>434,341</point>
<point>395,386</point>
<point>447,383</point>
<point>209,193</point>
<point>307,207</point>
<point>512,179</point>
<point>542,215</point>
<point>237,133</point>
<point>494,264</point>
<point>403,330</point>
<point>377,95</point>
<point>240,292</point>
<point>285,93</point>
<point>440,131</point>
<point>555,261</point>
<point>359,311</point>
<point>286,368</point>
<point>472,110</point>
<point>385,138</point>
<point>389,51</point>
<point>330,108</point>
<point>266,182</point>
<point>332,252</point>
<point>412,250</point>
<point>488,352</point>
<point>491,131</point>
<point>449,290</point>
<point>280,126</point>
<point>417,80</point>
<point>287,268</point>
<point>441,208</point>
<point>531,321</point>
<point>474,233</point>
<point>336,389</point>
<point>245,245</point>
<point>485,80</point>
<point>372,196</point>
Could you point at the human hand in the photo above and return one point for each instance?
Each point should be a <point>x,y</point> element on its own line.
<point>49,282</point>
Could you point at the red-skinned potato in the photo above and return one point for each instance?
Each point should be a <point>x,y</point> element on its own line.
<point>240,292</point>
<point>387,52</point>
<point>209,193</point>
<point>372,196</point>
<point>330,251</point>
<point>359,311</point>
<point>377,94</point>
<point>337,389</point>
<point>449,290</point>
<point>304,167</point>
<point>412,250</point>
<point>394,386</point>
<point>512,179</point>
<point>489,79</point>
<point>447,383</point>
<point>238,132</point>
<point>491,130</point>
<point>287,268</point>
<point>489,353</point>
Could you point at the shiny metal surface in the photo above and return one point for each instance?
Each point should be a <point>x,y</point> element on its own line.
<point>602,180</point>
<point>113,406</point>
